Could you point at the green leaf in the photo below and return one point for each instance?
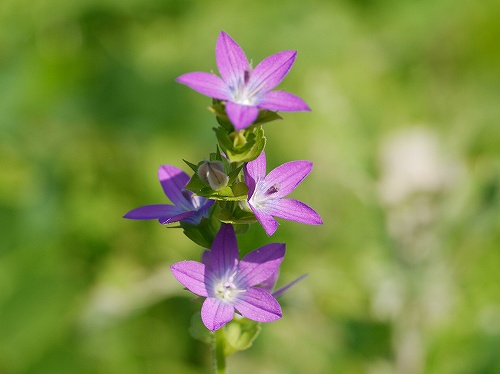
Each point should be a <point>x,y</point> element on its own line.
<point>191,165</point>
<point>240,334</point>
<point>239,189</point>
<point>204,233</point>
<point>266,116</point>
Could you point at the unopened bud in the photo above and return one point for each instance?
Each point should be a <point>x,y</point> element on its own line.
<point>213,173</point>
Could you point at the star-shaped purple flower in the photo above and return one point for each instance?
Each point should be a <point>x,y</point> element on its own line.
<point>244,89</point>
<point>229,284</point>
<point>266,193</point>
<point>187,207</point>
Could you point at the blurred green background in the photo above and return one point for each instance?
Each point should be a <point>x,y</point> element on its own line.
<point>403,275</point>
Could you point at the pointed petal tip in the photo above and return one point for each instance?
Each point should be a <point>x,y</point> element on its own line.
<point>241,116</point>
<point>216,314</point>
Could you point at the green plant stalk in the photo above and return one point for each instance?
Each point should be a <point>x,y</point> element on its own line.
<point>219,358</point>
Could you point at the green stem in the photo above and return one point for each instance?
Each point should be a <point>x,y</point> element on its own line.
<point>219,359</point>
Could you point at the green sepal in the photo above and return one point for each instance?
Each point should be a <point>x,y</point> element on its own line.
<point>236,216</point>
<point>241,146</point>
<point>240,334</point>
<point>241,228</point>
<point>266,116</point>
<point>225,194</point>
<point>239,188</point>
<point>219,109</point>
<point>204,233</point>
<point>196,185</point>
<point>191,165</point>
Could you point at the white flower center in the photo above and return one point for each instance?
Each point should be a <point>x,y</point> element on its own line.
<point>263,193</point>
<point>226,289</point>
<point>242,93</point>
<point>241,96</point>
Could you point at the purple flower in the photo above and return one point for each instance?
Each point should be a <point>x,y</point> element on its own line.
<point>229,284</point>
<point>244,89</point>
<point>266,193</point>
<point>187,207</point>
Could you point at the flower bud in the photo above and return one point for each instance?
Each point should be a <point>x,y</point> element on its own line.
<point>213,173</point>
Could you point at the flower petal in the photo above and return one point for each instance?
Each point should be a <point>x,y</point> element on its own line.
<point>283,289</point>
<point>231,60</point>
<point>181,216</point>
<point>202,211</point>
<point>285,178</point>
<point>266,220</point>
<point>271,71</point>
<point>224,253</point>
<point>191,274</point>
<point>154,211</point>
<point>215,313</point>
<point>206,259</point>
<point>173,180</point>
<point>205,83</point>
<point>254,171</point>
<point>241,116</point>
<point>293,210</point>
<point>258,305</point>
<point>257,266</point>
<point>269,283</point>
<point>283,101</point>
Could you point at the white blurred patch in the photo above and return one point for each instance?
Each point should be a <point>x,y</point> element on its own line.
<point>109,302</point>
<point>411,163</point>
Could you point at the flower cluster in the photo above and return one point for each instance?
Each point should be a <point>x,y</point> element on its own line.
<point>230,190</point>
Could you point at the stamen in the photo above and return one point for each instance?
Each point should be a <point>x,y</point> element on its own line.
<point>226,289</point>
<point>246,76</point>
<point>273,189</point>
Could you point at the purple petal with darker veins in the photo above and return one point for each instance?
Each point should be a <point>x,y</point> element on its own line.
<point>231,60</point>
<point>191,274</point>
<point>206,259</point>
<point>269,224</point>
<point>283,101</point>
<point>254,171</point>
<point>224,253</point>
<point>241,116</point>
<point>259,265</point>
<point>258,305</point>
<point>173,180</point>
<point>207,84</point>
<point>293,210</point>
<point>269,283</point>
<point>257,168</point>
<point>153,211</point>
<point>178,217</point>
<point>271,71</point>
<point>202,212</point>
<point>287,177</point>
<point>215,313</point>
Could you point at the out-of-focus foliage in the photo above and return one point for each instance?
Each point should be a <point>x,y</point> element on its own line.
<point>403,275</point>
